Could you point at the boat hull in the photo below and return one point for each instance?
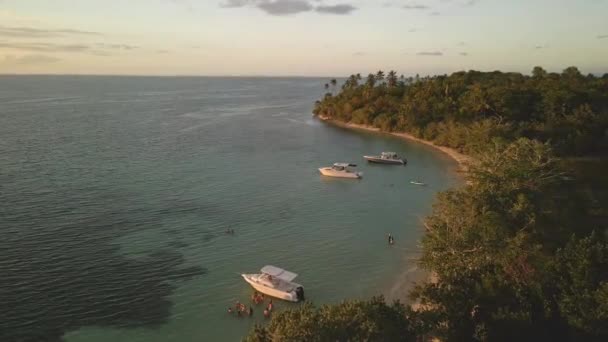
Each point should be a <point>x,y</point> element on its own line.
<point>329,172</point>
<point>287,295</point>
<point>378,160</point>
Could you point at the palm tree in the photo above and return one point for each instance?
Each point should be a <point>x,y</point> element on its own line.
<point>369,85</point>
<point>392,79</point>
<point>351,82</point>
<point>371,81</point>
<point>380,76</point>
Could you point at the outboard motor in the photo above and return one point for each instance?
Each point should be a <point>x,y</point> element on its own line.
<point>300,293</point>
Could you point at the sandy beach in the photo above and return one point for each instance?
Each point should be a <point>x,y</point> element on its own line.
<point>462,159</point>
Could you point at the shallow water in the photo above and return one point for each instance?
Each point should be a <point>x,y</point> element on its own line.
<point>116,192</point>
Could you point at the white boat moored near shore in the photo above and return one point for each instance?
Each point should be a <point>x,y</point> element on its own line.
<point>276,282</point>
<point>341,170</point>
<point>386,158</point>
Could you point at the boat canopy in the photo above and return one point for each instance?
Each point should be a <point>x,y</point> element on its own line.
<point>344,165</point>
<point>391,154</point>
<point>278,272</point>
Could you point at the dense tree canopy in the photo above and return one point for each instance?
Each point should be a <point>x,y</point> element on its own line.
<point>371,320</point>
<point>467,109</point>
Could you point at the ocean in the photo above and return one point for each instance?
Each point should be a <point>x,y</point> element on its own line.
<point>116,193</point>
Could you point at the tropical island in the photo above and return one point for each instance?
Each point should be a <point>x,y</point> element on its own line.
<point>520,250</point>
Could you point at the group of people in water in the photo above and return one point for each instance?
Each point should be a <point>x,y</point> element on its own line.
<point>391,239</point>
<point>257,298</point>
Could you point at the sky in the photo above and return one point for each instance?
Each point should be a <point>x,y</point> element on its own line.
<point>300,37</point>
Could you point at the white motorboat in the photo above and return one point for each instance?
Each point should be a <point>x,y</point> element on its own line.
<point>386,158</point>
<point>276,282</point>
<point>341,170</point>
<point>417,183</point>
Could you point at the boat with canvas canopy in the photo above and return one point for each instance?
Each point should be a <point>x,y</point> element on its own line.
<point>276,282</point>
<point>341,170</point>
<point>386,158</point>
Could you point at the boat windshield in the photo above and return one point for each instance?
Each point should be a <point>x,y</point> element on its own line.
<point>338,168</point>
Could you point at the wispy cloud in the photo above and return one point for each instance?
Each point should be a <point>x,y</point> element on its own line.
<point>435,13</point>
<point>284,7</point>
<point>162,51</point>
<point>117,46</point>
<point>30,32</point>
<point>235,3</point>
<point>602,36</point>
<point>413,29</point>
<point>46,47</point>
<point>340,9</point>
<point>430,53</point>
<point>359,54</point>
<point>290,7</point>
<point>30,60</point>
<point>464,54</point>
<point>470,2</point>
<point>99,49</point>
<point>415,7</point>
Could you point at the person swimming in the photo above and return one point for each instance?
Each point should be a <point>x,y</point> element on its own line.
<point>391,239</point>
<point>266,313</point>
<point>270,306</point>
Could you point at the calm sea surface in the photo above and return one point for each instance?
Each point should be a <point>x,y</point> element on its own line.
<point>115,193</point>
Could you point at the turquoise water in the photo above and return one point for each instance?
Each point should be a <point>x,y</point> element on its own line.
<point>118,191</point>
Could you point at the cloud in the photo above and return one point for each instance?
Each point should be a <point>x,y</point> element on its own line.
<point>284,7</point>
<point>415,7</point>
<point>340,9</point>
<point>99,49</point>
<point>46,47</point>
<point>602,36</point>
<point>461,44</point>
<point>162,51</point>
<point>435,13</point>
<point>430,53</point>
<point>235,3</point>
<point>290,7</point>
<point>464,53</point>
<point>30,59</point>
<point>359,54</point>
<point>413,29</point>
<point>117,46</point>
<point>30,32</point>
<point>470,2</point>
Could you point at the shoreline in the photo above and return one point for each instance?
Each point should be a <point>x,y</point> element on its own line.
<point>461,159</point>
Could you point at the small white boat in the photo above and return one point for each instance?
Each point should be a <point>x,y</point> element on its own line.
<point>341,170</point>
<point>417,183</point>
<point>276,282</point>
<point>386,158</point>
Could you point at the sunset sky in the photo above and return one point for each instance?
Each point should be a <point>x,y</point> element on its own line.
<point>300,37</point>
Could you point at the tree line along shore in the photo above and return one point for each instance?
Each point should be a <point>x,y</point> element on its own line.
<point>520,250</point>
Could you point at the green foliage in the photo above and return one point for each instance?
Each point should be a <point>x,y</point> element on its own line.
<point>503,250</point>
<point>467,109</point>
<point>371,320</point>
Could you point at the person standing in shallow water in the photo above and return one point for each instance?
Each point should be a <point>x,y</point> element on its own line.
<point>391,240</point>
